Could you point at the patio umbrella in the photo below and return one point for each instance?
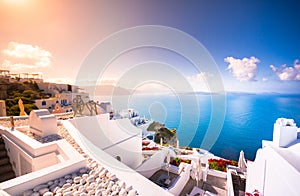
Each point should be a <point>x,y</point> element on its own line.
<point>198,170</point>
<point>168,162</point>
<point>242,162</point>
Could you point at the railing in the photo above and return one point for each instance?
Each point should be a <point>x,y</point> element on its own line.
<point>59,116</point>
<point>64,116</point>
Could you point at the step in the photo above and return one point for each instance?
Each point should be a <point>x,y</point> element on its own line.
<point>5,168</point>
<point>4,161</point>
<point>7,176</point>
<point>2,146</point>
<point>3,153</point>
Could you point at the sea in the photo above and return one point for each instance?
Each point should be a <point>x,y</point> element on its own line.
<point>221,124</point>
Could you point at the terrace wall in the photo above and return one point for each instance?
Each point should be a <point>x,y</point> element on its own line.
<point>122,171</point>
<point>34,162</point>
<point>119,138</point>
<point>271,174</point>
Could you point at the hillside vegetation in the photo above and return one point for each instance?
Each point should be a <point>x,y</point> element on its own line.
<point>27,91</point>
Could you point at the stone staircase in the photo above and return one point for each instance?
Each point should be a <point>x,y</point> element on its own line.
<point>6,171</point>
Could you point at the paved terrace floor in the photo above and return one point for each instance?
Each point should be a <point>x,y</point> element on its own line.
<point>213,184</point>
<point>158,176</point>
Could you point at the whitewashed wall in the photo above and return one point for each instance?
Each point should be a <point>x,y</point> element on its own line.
<point>122,171</point>
<point>116,137</point>
<point>153,164</point>
<point>271,174</point>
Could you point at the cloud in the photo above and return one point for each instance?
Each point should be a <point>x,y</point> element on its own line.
<point>285,73</point>
<point>264,79</point>
<point>242,69</point>
<point>199,82</point>
<point>18,56</point>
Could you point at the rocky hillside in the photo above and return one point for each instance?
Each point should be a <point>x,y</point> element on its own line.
<point>169,136</point>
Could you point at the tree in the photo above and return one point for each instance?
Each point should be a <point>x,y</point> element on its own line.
<point>29,108</point>
<point>27,91</point>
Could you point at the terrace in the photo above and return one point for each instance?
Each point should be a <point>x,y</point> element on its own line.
<point>181,179</point>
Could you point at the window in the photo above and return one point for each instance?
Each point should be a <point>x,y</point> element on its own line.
<point>44,103</point>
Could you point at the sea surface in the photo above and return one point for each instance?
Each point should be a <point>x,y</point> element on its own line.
<point>223,125</point>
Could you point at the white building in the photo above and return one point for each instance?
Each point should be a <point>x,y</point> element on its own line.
<point>119,138</point>
<point>54,88</point>
<point>63,99</point>
<point>116,145</point>
<point>32,161</point>
<point>276,169</point>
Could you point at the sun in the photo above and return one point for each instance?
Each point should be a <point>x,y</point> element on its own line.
<point>15,1</point>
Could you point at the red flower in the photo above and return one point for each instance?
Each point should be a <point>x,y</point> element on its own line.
<point>254,193</point>
<point>220,164</point>
<point>145,143</point>
<point>150,148</point>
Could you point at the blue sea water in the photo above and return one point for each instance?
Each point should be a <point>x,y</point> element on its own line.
<point>248,119</point>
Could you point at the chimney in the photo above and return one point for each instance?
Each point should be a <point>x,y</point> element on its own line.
<point>285,132</point>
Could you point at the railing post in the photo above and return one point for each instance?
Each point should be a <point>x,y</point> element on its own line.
<point>12,122</point>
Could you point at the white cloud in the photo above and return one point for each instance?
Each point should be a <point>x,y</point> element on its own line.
<point>285,73</point>
<point>242,69</point>
<point>18,56</point>
<point>265,79</point>
<point>199,81</point>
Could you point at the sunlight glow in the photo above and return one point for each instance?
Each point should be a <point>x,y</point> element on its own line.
<point>16,1</point>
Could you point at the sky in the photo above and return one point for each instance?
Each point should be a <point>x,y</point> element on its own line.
<point>255,44</point>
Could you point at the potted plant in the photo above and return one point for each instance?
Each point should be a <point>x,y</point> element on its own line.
<point>218,167</point>
<point>145,143</point>
<point>177,160</point>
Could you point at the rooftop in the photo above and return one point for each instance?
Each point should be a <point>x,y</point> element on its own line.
<point>93,179</point>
